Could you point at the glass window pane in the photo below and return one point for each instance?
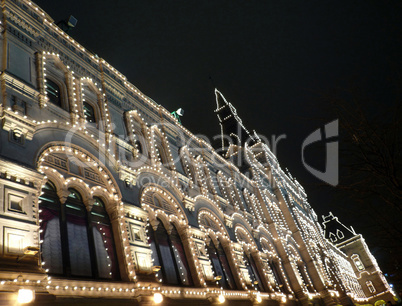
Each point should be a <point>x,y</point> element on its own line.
<point>226,267</point>
<point>50,230</point>
<point>77,234</point>
<point>89,113</point>
<point>216,265</point>
<point>181,259</point>
<point>51,246</point>
<point>53,92</point>
<point>168,264</point>
<point>80,260</point>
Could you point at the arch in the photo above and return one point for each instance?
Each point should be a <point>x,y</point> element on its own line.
<point>138,133</point>
<point>244,236</point>
<point>276,274</point>
<point>299,268</point>
<point>150,175</point>
<point>168,251</point>
<point>217,223</point>
<point>251,257</point>
<point>77,239</point>
<point>188,165</point>
<point>224,187</point>
<point>202,202</point>
<point>268,247</point>
<point>160,148</point>
<point>82,157</point>
<point>215,246</point>
<point>160,203</point>
<point>92,94</point>
<point>61,77</point>
<point>240,220</point>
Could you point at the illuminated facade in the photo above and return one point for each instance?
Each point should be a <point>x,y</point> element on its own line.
<point>104,195</point>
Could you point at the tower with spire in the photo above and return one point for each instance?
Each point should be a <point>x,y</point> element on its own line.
<point>358,254</point>
<point>233,132</point>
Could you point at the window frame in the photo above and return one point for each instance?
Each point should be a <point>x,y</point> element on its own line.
<point>74,207</point>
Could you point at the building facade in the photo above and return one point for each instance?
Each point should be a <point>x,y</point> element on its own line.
<point>104,195</point>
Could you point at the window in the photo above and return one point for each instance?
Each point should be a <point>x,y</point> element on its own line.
<point>76,242</point>
<point>138,146</point>
<point>221,266</point>
<point>208,180</point>
<point>53,92</point>
<point>253,272</point>
<point>358,263</point>
<point>168,253</point>
<point>89,113</point>
<point>370,286</point>
<point>275,266</point>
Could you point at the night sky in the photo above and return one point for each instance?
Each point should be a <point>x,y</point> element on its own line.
<point>272,59</point>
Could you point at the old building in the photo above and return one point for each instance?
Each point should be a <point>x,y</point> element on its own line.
<point>104,195</point>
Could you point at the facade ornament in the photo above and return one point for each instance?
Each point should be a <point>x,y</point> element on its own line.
<point>63,195</point>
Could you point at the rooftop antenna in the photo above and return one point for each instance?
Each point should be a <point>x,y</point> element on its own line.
<point>67,24</point>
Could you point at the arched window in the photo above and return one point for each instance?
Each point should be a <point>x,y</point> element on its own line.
<point>275,267</point>
<point>253,272</point>
<point>53,92</point>
<point>89,113</point>
<point>75,242</point>
<point>358,263</point>
<point>107,265</point>
<point>224,188</point>
<point>168,253</point>
<point>77,236</point>
<point>138,146</point>
<point>160,154</point>
<point>181,259</point>
<point>50,215</point>
<point>208,180</point>
<point>221,266</point>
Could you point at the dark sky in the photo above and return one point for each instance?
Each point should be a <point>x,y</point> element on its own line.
<point>271,59</point>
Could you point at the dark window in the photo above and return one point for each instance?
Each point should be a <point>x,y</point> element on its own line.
<point>274,265</point>
<point>254,274</point>
<point>181,259</point>
<point>168,252</point>
<point>75,242</point>
<point>221,266</point>
<point>138,146</point>
<point>89,113</point>
<point>53,92</point>
<point>217,266</point>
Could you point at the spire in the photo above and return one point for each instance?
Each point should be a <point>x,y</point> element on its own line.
<point>233,132</point>
<point>220,100</point>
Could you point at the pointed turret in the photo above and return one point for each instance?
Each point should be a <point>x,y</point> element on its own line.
<point>233,131</point>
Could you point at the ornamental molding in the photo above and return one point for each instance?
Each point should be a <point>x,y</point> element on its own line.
<point>11,171</point>
<point>18,125</point>
<point>19,86</point>
<point>127,176</point>
<point>228,221</point>
<point>189,203</point>
<point>22,23</point>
